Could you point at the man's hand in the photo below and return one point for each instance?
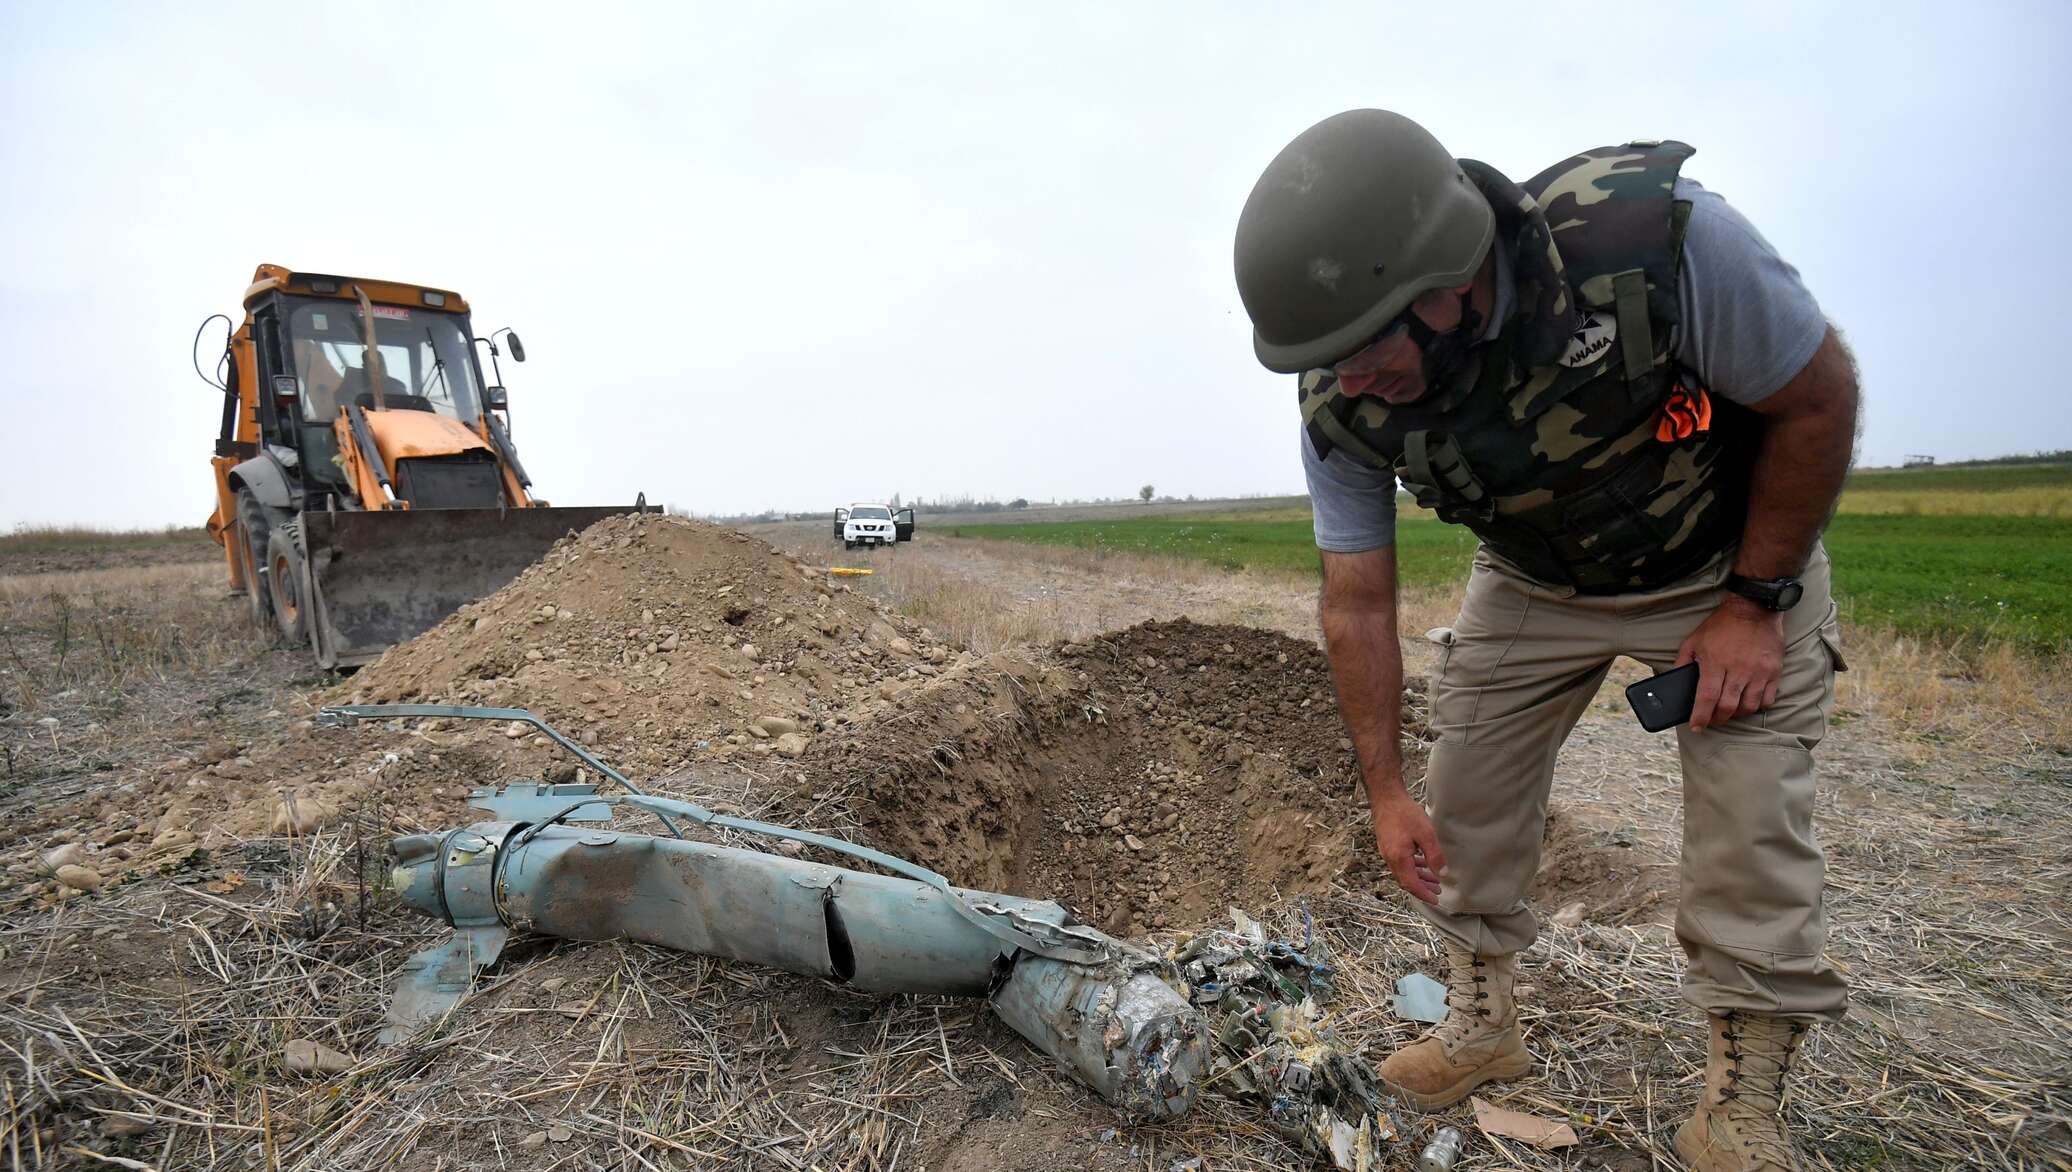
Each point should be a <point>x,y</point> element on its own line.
<point>1410,845</point>
<point>1740,653</point>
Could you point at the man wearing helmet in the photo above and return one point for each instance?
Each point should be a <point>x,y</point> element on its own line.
<point>1611,377</point>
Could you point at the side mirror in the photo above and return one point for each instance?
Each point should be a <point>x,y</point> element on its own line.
<point>517,348</point>
<point>496,399</point>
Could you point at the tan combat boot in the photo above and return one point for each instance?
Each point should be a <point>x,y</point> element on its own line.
<point>1739,1126</point>
<point>1478,1042</point>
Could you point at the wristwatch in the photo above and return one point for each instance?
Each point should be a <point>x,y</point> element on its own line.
<point>1778,594</point>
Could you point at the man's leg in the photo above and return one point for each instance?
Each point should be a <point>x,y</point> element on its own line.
<point>1517,671</point>
<point>1750,913</point>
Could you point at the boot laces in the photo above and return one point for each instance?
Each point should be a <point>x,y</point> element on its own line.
<point>1466,991</point>
<point>1753,1095</point>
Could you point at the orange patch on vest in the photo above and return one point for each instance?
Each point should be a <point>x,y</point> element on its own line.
<point>1686,413</point>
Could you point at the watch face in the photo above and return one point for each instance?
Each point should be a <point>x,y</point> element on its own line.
<point>1788,595</point>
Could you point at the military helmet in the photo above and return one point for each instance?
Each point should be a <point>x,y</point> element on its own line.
<point>1348,224</point>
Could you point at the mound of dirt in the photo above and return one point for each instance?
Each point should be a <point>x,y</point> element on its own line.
<point>1147,779</point>
<point>655,636</point>
<point>652,639</point>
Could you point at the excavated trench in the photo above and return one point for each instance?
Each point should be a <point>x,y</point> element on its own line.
<point>1148,779</point>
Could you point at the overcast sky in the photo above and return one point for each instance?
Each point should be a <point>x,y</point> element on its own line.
<point>769,255</point>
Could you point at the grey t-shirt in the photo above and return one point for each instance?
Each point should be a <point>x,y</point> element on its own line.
<point>1749,325</point>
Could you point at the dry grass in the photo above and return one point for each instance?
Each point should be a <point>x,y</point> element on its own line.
<point>170,1052</point>
<point>40,538</point>
<point>1991,702</point>
<point>2019,502</point>
<point>2030,489</point>
<point>106,629</point>
<point>660,1061</point>
<point>970,613</point>
<point>102,670</point>
<point>650,1059</point>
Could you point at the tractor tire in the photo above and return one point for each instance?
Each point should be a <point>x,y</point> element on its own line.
<point>252,531</point>
<point>285,573</point>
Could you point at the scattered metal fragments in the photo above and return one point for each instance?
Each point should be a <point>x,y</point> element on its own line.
<point>1440,1154</point>
<point>1104,1010</point>
<point>1419,998</point>
<point>1262,998</point>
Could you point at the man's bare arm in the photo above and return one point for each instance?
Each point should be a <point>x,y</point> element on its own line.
<point>1809,428</point>
<point>1358,614</point>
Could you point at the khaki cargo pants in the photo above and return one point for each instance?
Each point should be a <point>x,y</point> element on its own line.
<point>1519,668</point>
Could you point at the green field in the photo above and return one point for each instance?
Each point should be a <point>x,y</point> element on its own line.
<point>1955,569</point>
<point>2017,490</point>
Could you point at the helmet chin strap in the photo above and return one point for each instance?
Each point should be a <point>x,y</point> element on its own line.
<point>1445,352</point>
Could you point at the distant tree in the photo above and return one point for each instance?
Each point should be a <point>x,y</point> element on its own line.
<point>1018,503</point>
<point>1145,493</point>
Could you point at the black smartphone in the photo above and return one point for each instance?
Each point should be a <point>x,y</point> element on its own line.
<point>1666,700</point>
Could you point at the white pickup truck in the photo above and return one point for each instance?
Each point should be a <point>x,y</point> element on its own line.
<point>867,525</point>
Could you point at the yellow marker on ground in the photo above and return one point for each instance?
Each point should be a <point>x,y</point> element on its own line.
<point>849,570</point>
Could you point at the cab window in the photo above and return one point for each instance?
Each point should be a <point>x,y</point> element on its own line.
<point>424,359</point>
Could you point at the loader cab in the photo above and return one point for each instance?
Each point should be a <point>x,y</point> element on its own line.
<point>312,360</point>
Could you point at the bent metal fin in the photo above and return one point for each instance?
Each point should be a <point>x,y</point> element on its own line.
<point>435,979</point>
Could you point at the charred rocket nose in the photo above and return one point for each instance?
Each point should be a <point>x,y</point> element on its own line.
<point>412,849</point>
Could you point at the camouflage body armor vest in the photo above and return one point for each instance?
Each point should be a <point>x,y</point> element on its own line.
<point>1546,444</point>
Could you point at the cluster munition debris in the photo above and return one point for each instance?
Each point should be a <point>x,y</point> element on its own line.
<point>1263,1000</point>
<point>1102,1009</point>
<point>1132,1026</point>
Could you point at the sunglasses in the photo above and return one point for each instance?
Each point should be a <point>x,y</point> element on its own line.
<point>1399,324</point>
<point>1409,321</point>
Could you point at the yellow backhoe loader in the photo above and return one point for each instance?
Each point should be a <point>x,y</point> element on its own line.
<point>366,482</point>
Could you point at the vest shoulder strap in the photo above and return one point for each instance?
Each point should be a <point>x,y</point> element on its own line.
<point>1614,217</point>
<point>1636,335</point>
<point>1612,209</point>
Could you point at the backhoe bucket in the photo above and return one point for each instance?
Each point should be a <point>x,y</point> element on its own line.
<point>377,579</point>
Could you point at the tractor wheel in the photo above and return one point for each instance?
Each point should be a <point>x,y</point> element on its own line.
<point>285,559</point>
<point>251,548</point>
